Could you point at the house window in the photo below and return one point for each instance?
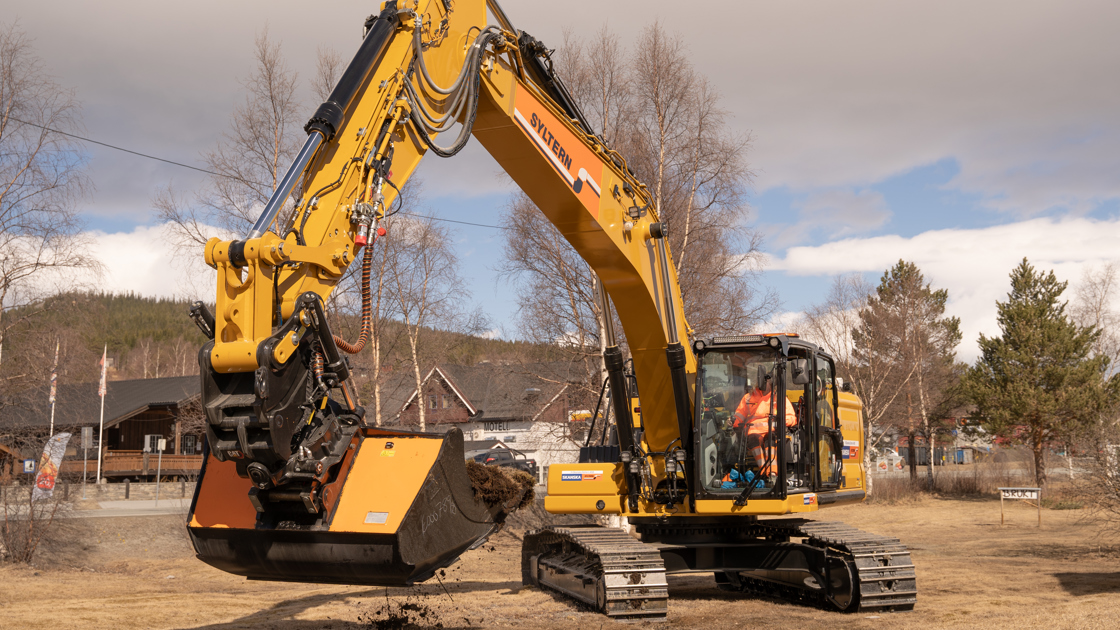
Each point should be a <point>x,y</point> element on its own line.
<point>190,445</point>
<point>446,401</point>
<point>151,442</point>
<point>432,401</point>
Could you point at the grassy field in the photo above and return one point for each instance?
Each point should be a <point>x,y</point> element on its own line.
<point>141,573</point>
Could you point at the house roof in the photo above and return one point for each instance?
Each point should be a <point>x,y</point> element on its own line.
<point>492,391</point>
<point>78,404</point>
<point>396,391</point>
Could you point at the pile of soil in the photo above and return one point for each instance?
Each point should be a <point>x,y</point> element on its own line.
<point>501,487</point>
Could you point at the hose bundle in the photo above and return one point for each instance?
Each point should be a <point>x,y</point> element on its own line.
<point>461,96</point>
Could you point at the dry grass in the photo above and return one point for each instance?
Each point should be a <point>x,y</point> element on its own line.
<point>139,573</point>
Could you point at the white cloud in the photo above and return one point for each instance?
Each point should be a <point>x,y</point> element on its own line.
<point>842,94</point>
<point>145,262</point>
<point>838,94</point>
<point>786,321</point>
<point>972,264</point>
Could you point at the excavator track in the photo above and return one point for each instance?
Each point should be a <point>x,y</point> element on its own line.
<point>827,564</point>
<point>882,566</point>
<point>602,567</point>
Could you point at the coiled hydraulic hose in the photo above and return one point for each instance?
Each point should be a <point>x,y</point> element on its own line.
<point>367,309</point>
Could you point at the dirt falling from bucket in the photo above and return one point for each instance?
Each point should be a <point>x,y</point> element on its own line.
<point>501,486</point>
<point>396,614</point>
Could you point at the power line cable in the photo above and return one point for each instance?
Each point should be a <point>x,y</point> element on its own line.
<point>202,170</point>
<point>422,216</point>
<point>111,146</point>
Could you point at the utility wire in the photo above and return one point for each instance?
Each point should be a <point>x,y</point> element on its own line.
<point>202,170</point>
<point>106,144</point>
<point>422,216</point>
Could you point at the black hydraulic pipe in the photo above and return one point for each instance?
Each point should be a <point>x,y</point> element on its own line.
<point>328,118</point>
<point>624,422</point>
<point>779,398</point>
<point>677,360</point>
<point>203,318</point>
<point>332,358</point>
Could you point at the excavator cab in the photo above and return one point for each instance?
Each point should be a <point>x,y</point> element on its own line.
<point>751,448</point>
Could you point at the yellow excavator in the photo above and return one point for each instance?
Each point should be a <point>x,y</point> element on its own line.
<point>711,477</point>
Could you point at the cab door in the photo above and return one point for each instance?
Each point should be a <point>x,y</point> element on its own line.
<point>829,441</point>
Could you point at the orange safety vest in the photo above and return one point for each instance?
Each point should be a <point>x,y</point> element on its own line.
<point>754,409</point>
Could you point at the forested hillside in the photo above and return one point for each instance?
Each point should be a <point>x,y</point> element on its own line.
<point>149,338</point>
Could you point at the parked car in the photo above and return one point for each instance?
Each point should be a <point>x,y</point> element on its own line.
<point>508,458</point>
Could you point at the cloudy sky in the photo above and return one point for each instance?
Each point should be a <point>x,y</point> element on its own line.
<point>959,135</point>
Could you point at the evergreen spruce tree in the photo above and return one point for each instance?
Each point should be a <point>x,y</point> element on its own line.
<point>1037,383</point>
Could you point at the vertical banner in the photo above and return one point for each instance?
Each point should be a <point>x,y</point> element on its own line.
<point>54,374</point>
<point>48,467</point>
<point>54,384</point>
<point>104,354</point>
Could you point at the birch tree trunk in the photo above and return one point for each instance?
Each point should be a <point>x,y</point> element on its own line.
<point>420,401</point>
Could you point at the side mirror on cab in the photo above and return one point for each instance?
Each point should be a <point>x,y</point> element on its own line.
<point>800,371</point>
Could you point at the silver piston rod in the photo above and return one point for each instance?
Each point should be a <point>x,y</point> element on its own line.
<point>280,195</point>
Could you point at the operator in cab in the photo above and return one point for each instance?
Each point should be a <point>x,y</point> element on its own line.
<point>754,413</point>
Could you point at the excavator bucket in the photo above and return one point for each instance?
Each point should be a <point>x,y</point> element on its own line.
<point>400,507</point>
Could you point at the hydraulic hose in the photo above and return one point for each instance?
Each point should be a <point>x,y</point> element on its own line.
<point>367,309</point>
<point>462,96</point>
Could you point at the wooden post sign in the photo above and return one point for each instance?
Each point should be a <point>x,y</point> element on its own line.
<point>1021,494</point>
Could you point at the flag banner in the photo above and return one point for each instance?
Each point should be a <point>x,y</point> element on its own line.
<point>54,374</point>
<point>104,354</point>
<point>48,467</point>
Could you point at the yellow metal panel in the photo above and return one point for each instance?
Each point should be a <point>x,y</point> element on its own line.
<point>383,483</point>
<point>795,503</point>
<point>584,479</point>
<point>612,504</point>
<point>851,426</point>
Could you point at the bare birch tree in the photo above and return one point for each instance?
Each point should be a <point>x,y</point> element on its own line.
<point>328,68</point>
<point>1094,305</point>
<point>654,107</point>
<point>424,288</point>
<point>833,325</point>
<point>41,181</point>
<point>250,157</point>
<point>556,300</point>
<point>346,298</point>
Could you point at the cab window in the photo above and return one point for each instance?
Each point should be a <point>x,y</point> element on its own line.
<point>826,395</point>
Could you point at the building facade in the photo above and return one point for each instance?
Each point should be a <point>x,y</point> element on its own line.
<point>533,408</point>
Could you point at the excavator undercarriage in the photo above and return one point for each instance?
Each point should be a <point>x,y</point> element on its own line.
<point>826,564</point>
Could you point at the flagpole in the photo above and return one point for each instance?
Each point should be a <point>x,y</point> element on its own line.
<point>101,429</point>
